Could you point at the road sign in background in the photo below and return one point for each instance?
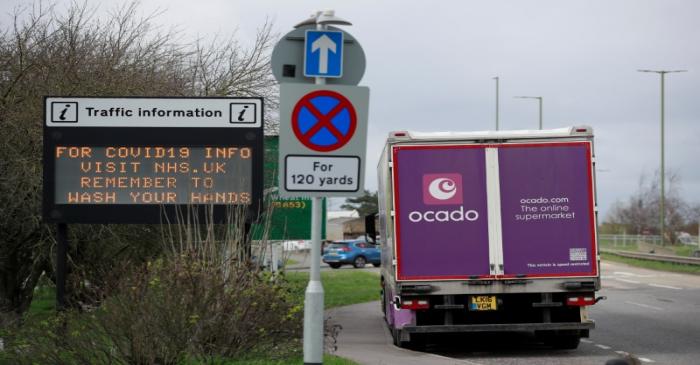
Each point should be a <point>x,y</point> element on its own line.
<point>288,59</point>
<point>323,53</point>
<point>291,218</point>
<point>323,139</point>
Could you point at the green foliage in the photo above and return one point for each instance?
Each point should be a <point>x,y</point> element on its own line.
<point>365,204</point>
<point>166,312</point>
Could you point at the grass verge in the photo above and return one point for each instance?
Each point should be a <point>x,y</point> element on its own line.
<point>327,360</point>
<point>686,251</point>
<point>341,287</point>
<point>44,301</point>
<point>653,265</point>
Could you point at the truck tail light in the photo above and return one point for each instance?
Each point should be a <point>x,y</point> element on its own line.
<point>415,304</point>
<point>580,301</point>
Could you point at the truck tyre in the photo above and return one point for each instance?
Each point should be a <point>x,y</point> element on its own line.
<point>562,340</point>
<point>396,335</point>
<point>335,265</point>
<point>566,342</point>
<point>359,262</point>
<point>415,343</point>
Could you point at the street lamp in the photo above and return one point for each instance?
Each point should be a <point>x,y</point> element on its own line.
<point>662,219</point>
<point>539,98</point>
<point>496,78</point>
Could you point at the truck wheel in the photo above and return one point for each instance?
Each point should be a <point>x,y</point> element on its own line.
<point>566,342</point>
<point>359,262</point>
<point>335,265</point>
<point>415,343</point>
<point>396,335</point>
<point>562,340</point>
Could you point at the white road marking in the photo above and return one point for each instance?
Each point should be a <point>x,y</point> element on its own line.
<point>457,361</point>
<point>628,281</point>
<point>586,341</point>
<point>623,353</point>
<point>645,306</point>
<point>644,359</point>
<point>604,347</point>
<point>665,286</point>
<point>625,273</point>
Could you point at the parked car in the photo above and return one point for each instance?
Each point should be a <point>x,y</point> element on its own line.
<point>357,253</point>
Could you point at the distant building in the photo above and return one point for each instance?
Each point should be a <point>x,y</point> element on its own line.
<point>336,222</point>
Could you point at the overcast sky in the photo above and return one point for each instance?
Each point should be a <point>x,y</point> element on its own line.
<point>430,66</point>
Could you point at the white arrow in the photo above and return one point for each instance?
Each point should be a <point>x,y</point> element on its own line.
<point>323,44</point>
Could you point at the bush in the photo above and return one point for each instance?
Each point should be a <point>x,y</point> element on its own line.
<point>170,311</point>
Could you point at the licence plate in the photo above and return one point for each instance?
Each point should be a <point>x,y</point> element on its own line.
<point>482,303</point>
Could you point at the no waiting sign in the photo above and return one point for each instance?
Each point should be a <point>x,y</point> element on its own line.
<point>323,139</point>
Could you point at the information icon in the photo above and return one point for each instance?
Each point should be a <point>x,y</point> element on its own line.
<point>65,112</point>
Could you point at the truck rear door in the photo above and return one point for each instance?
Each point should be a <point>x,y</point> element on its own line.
<point>547,209</point>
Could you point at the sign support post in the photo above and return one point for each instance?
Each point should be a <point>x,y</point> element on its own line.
<point>323,137</point>
<point>313,301</point>
<point>61,263</point>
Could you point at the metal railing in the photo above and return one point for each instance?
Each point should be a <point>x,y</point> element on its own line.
<point>628,239</point>
<point>655,257</point>
<point>622,240</point>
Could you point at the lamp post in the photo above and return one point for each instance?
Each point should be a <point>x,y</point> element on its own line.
<point>539,98</point>
<point>662,218</point>
<point>496,78</point>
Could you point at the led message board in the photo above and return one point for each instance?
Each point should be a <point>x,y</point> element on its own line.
<point>144,160</point>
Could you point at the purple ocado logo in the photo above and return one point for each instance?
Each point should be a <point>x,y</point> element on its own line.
<point>443,189</point>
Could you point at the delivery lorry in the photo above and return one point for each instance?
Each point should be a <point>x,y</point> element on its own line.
<point>487,232</point>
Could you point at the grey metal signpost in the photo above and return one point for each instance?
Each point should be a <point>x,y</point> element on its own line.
<point>323,135</point>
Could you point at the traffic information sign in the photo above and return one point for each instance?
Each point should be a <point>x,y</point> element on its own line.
<point>132,160</point>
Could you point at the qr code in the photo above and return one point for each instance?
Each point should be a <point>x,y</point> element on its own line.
<point>578,254</point>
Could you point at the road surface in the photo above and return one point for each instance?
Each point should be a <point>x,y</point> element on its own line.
<point>650,315</point>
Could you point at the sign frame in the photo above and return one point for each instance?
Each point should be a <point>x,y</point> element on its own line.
<point>290,144</point>
<point>287,60</point>
<point>251,137</point>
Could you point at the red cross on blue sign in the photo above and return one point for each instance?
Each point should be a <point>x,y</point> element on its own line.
<point>324,120</point>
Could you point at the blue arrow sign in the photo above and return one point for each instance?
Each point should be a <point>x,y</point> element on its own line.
<point>323,53</point>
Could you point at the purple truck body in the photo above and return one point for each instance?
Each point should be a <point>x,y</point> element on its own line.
<point>489,231</point>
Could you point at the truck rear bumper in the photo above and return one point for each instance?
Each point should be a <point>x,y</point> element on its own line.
<point>506,327</point>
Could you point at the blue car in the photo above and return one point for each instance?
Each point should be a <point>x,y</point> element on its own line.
<point>353,252</point>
